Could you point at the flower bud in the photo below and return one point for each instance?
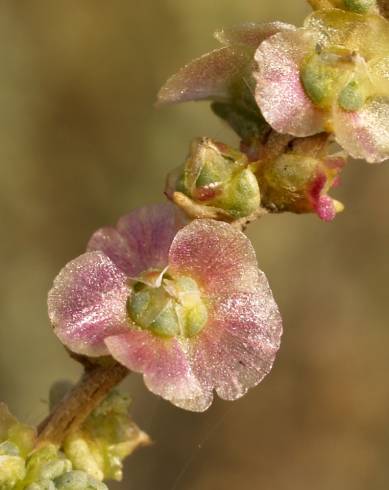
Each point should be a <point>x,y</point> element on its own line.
<point>217,176</point>
<point>298,181</point>
<point>12,470</point>
<point>46,463</point>
<point>106,438</point>
<point>78,480</point>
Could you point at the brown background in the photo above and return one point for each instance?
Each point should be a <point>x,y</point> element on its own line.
<point>81,144</point>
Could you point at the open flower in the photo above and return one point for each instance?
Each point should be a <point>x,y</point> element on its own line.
<point>332,75</point>
<point>184,305</point>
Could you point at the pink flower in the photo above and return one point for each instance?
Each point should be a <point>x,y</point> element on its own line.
<point>331,75</point>
<point>185,305</point>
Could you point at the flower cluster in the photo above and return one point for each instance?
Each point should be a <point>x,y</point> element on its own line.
<point>330,77</point>
<point>45,468</point>
<point>93,453</point>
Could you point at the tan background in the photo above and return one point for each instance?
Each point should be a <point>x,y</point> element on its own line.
<point>80,144</point>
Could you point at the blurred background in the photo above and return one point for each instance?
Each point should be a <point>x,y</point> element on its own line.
<point>80,145</point>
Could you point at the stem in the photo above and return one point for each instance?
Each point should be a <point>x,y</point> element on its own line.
<point>96,382</point>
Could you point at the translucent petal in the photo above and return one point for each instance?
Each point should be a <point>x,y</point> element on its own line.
<point>251,33</point>
<point>88,302</point>
<point>365,133</point>
<point>165,366</point>
<point>368,35</point>
<point>141,239</point>
<point>219,257</point>
<point>207,77</point>
<point>279,91</point>
<point>378,69</point>
<point>238,347</point>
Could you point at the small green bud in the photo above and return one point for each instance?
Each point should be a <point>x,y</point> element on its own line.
<point>46,464</point>
<point>41,485</point>
<point>80,451</point>
<point>352,98</point>
<point>219,177</point>
<point>12,470</point>
<point>78,480</point>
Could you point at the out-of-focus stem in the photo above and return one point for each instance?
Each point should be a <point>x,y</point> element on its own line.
<point>96,382</point>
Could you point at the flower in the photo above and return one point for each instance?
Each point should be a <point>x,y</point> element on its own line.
<point>216,177</point>
<point>185,305</point>
<point>332,75</point>
<point>299,179</point>
<point>225,76</point>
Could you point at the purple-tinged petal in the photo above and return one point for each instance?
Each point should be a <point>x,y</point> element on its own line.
<point>365,133</point>
<point>88,302</point>
<point>165,367</point>
<point>220,257</point>
<point>279,91</point>
<point>251,33</point>
<point>239,345</point>
<point>114,245</point>
<point>141,239</point>
<point>207,77</point>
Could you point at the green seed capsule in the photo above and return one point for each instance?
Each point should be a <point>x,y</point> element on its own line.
<point>351,98</point>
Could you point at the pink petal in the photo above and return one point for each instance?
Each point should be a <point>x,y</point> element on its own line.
<point>141,239</point>
<point>88,302</point>
<point>251,33</point>
<point>239,345</point>
<point>218,256</point>
<point>165,366</point>
<point>279,92</point>
<point>365,133</point>
<point>207,77</point>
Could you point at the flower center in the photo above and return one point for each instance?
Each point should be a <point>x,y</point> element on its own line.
<point>167,306</point>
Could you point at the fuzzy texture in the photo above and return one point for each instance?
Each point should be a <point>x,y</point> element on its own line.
<point>345,90</point>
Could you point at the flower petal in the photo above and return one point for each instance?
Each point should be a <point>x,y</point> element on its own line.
<point>365,133</point>
<point>251,33</point>
<point>239,345</point>
<point>88,302</point>
<point>217,255</point>
<point>141,239</point>
<point>368,35</point>
<point>207,77</point>
<point>165,367</point>
<point>279,92</point>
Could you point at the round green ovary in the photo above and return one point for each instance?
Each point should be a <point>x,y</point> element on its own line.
<point>173,309</point>
<point>351,98</point>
